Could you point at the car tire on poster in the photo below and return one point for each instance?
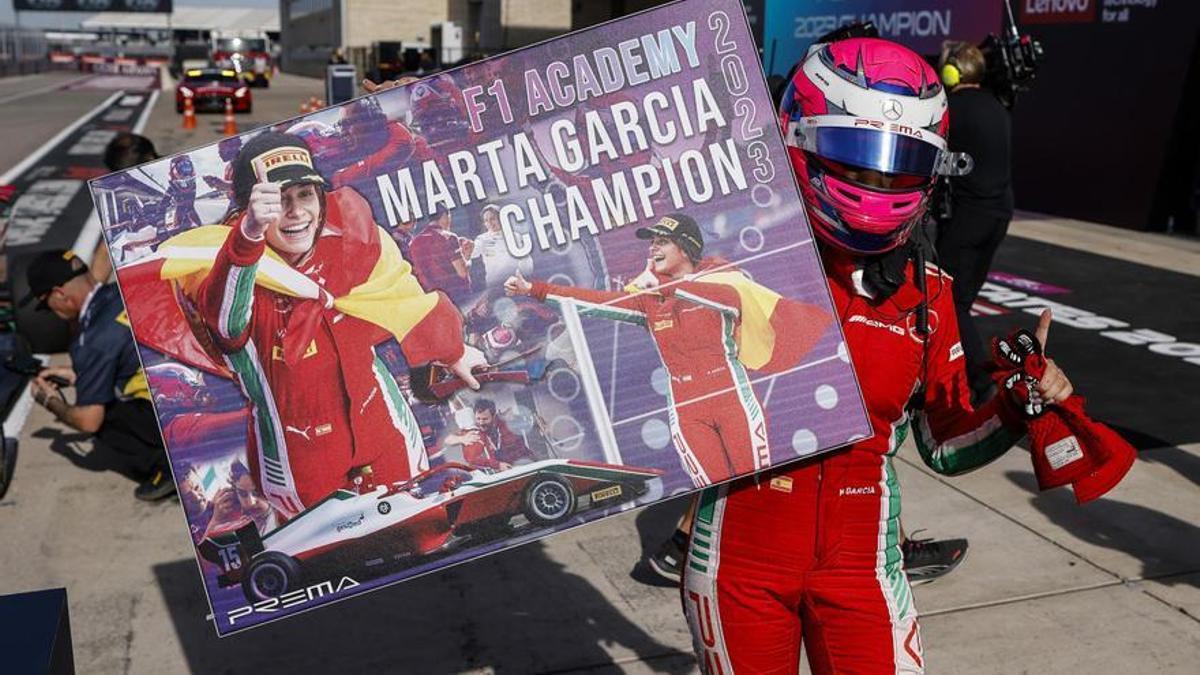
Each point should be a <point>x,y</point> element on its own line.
<point>270,575</point>
<point>549,500</point>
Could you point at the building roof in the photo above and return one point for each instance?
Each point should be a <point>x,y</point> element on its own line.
<point>226,19</point>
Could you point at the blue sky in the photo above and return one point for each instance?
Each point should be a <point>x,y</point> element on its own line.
<point>72,19</point>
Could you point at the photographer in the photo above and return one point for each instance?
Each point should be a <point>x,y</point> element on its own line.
<point>982,201</point>
<point>112,401</point>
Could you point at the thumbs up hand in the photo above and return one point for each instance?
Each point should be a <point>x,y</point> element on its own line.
<point>264,209</point>
<point>517,285</point>
<point>646,279</point>
<point>1054,387</point>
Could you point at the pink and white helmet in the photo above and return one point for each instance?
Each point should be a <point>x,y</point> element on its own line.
<point>865,121</point>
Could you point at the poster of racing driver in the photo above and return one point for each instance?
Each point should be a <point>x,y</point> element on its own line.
<point>296,297</point>
<point>711,325</point>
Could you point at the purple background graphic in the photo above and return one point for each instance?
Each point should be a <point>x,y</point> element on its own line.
<point>762,230</point>
<point>790,26</point>
<point>1027,284</point>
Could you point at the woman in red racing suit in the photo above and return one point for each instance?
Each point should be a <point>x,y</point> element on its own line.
<point>810,552</point>
<point>696,314</point>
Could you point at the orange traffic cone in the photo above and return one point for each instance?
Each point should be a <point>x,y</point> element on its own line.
<point>304,108</point>
<point>189,114</point>
<point>314,104</point>
<point>230,128</point>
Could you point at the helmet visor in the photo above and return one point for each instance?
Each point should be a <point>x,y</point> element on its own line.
<point>878,150</point>
<point>870,144</point>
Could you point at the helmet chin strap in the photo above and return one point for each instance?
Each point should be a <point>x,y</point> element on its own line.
<point>922,310</point>
<point>884,274</point>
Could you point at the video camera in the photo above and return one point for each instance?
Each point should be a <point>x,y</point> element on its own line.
<point>1012,60</point>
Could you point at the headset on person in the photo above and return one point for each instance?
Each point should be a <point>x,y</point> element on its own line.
<point>1010,62</point>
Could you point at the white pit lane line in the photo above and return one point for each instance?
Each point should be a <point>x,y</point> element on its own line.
<point>43,90</point>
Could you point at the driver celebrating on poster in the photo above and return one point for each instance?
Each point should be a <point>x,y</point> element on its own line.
<point>301,294</point>
<point>810,552</point>
<point>711,325</point>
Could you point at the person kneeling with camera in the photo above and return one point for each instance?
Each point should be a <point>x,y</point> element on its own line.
<point>112,400</point>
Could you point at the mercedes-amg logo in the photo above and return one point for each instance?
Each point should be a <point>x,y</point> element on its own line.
<point>892,109</point>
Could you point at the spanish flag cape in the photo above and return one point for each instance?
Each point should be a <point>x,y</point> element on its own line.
<point>775,332</point>
<point>365,277</point>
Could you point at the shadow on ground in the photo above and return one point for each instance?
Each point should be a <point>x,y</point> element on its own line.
<point>1164,544</point>
<point>513,612</point>
<point>1151,448</point>
<point>84,453</point>
<point>655,524</point>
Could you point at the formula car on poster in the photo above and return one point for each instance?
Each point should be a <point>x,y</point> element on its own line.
<point>435,512</point>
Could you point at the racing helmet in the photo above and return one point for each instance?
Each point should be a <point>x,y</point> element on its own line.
<point>865,122</point>
<point>182,172</point>
<point>326,144</point>
<point>228,148</point>
<point>438,113</point>
<point>363,124</point>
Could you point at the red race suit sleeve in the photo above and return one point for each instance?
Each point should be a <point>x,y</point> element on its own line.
<point>226,297</point>
<point>952,436</point>
<point>615,305</point>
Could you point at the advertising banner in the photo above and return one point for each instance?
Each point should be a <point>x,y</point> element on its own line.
<point>156,6</point>
<point>1143,180</point>
<point>601,233</point>
<point>789,27</point>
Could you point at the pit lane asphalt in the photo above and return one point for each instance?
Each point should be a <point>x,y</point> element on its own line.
<point>28,122</point>
<point>1047,586</point>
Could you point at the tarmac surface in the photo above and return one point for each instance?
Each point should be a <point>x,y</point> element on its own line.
<point>35,107</point>
<point>1048,586</point>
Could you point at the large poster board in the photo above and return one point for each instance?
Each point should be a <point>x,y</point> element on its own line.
<point>608,220</point>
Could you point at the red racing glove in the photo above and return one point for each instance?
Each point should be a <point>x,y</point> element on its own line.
<point>1067,446</point>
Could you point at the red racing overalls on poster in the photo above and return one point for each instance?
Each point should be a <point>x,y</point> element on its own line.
<point>324,407</point>
<point>710,331</point>
<point>401,147</point>
<point>499,445</point>
<point>811,550</point>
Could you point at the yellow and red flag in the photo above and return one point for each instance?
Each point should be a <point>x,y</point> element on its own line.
<point>775,332</point>
<point>159,289</point>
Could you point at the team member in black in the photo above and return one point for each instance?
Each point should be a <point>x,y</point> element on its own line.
<point>981,201</point>
<point>112,401</point>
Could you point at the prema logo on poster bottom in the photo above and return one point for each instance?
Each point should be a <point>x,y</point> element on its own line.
<point>1058,11</point>
<point>292,599</point>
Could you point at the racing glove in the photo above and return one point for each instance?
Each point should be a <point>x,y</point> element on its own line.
<point>1067,446</point>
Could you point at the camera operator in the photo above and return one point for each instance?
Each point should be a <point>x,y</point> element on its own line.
<point>981,202</point>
